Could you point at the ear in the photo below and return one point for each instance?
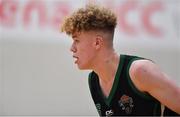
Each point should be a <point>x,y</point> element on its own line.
<point>98,42</point>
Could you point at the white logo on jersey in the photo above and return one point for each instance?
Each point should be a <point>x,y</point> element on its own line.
<point>109,112</point>
<point>98,106</point>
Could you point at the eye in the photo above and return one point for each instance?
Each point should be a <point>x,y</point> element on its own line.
<point>76,40</point>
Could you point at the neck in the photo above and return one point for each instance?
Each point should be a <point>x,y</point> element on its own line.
<point>107,67</point>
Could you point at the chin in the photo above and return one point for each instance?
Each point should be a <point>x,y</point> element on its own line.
<point>83,67</point>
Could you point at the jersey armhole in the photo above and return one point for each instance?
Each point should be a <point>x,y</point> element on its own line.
<point>130,82</point>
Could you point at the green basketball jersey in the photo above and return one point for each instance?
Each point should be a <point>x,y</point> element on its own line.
<point>124,98</point>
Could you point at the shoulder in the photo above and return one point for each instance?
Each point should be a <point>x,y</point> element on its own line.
<point>147,77</point>
<point>143,73</point>
<point>138,67</point>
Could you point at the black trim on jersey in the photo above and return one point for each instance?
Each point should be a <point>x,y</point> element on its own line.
<point>114,86</point>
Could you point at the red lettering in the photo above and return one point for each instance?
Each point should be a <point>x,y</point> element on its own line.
<point>59,10</point>
<point>147,14</point>
<point>62,9</point>
<point>8,10</point>
<point>124,10</point>
<point>1,11</point>
<point>37,6</point>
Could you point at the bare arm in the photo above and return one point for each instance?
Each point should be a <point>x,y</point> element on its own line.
<point>147,77</point>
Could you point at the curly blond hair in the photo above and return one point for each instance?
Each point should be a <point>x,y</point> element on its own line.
<point>92,17</point>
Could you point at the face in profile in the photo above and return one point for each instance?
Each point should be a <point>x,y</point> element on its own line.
<point>83,49</point>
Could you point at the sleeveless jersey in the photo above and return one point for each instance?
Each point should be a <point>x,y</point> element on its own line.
<point>124,98</point>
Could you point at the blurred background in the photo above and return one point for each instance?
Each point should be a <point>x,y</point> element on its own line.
<point>37,72</point>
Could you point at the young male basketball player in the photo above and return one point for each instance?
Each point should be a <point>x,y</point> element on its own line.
<point>119,84</point>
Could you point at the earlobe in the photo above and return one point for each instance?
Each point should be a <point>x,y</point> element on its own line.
<point>97,47</point>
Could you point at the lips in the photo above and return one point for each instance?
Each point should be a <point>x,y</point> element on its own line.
<point>76,59</point>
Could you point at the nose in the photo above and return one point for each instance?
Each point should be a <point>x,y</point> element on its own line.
<point>73,48</point>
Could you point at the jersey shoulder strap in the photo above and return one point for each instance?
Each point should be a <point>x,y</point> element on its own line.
<point>92,82</point>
